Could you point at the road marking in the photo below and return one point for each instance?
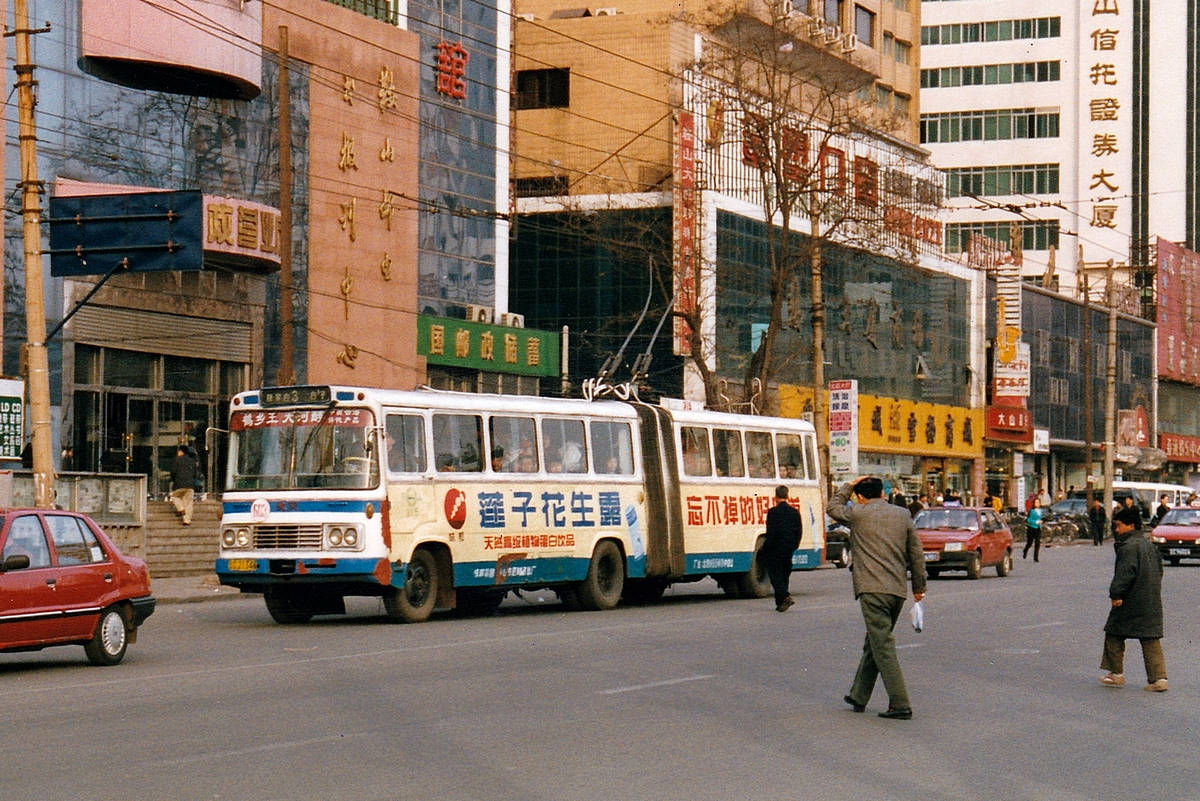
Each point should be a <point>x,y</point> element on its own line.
<point>910,645</point>
<point>666,683</point>
<point>259,749</point>
<point>1018,651</point>
<point>1042,625</point>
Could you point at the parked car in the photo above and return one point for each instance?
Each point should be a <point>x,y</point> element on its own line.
<point>1177,535</point>
<point>837,543</point>
<point>64,582</point>
<point>1073,510</point>
<point>964,538</point>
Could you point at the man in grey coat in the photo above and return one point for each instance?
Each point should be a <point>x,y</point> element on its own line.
<point>1136,595</point>
<point>886,548</point>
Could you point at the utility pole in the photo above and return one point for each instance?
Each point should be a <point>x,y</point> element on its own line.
<point>287,335</point>
<point>1110,392</point>
<point>36,360</point>
<point>1088,432</point>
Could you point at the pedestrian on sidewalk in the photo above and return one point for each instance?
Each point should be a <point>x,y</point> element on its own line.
<point>1033,530</point>
<point>783,538</point>
<point>183,484</point>
<point>886,549</point>
<point>1136,595</point>
<point>1097,518</point>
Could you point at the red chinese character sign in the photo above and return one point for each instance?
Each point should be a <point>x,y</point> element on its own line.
<point>685,229</point>
<point>452,60</point>
<point>1178,299</point>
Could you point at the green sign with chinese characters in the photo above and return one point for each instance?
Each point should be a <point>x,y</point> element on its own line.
<point>492,348</point>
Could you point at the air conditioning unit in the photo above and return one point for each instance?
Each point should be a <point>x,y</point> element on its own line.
<point>849,43</point>
<point>479,314</point>
<point>527,17</point>
<point>832,34</point>
<point>787,8</point>
<point>512,320</point>
<point>605,12</point>
<point>815,27</point>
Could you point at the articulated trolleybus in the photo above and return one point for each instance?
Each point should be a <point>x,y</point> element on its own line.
<point>434,500</point>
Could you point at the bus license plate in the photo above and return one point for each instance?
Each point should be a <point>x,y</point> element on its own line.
<point>932,556</point>
<point>1180,551</point>
<point>243,565</point>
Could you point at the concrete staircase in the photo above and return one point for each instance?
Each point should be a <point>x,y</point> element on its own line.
<point>173,549</point>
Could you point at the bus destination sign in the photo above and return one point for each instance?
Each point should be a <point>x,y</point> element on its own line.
<point>293,396</point>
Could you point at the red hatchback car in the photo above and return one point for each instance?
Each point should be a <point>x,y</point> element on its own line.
<point>964,538</point>
<point>63,582</point>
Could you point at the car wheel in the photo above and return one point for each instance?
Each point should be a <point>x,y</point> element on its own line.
<point>605,578</point>
<point>974,567</point>
<point>847,557</point>
<point>932,572</point>
<point>111,638</point>
<point>1174,560</point>
<point>755,582</point>
<point>1006,565</point>
<point>414,602</point>
<point>284,606</point>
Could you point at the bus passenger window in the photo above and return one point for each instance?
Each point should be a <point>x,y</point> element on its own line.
<point>458,443</point>
<point>810,457</point>
<point>791,460</point>
<point>514,444</point>
<point>696,461</point>
<point>405,443</point>
<point>760,456</point>
<point>565,447</point>
<point>727,450</point>
<point>612,448</point>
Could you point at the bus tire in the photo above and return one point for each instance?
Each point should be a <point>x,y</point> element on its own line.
<point>285,606</point>
<point>755,583</point>
<point>568,596</point>
<point>605,578</point>
<point>414,602</point>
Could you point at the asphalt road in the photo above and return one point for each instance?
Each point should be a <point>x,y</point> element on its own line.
<point>698,697</point>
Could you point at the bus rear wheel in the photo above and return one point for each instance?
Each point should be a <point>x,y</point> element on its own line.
<point>755,583</point>
<point>605,579</point>
<point>414,602</point>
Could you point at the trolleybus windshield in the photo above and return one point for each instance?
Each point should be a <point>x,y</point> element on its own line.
<point>331,448</point>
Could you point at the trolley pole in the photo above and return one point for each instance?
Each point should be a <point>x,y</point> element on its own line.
<point>36,360</point>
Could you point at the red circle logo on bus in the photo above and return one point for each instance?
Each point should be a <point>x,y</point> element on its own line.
<point>456,508</point>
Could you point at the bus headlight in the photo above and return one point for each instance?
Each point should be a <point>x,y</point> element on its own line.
<point>345,536</point>
<point>335,537</point>
<point>350,537</point>
<point>235,537</point>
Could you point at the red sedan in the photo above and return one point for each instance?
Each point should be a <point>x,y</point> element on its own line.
<point>64,582</point>
<point>964,538</point>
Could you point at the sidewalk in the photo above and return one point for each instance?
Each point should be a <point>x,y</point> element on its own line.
<point>191,589</point>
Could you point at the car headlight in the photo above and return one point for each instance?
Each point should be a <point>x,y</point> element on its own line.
<point>1159,540</point>
<point>954,546</point>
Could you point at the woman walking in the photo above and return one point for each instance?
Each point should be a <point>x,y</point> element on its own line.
<point>1033,530</point>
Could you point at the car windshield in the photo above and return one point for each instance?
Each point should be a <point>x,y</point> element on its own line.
<point>961,519</point>
<point>1181,517</point>
<point>328,448</point>
<point>1071,507</point>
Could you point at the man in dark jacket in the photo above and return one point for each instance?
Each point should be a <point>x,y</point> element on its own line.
<point>1097,518</point>
<point>886,549</point>
<point>1136,593</point>
<point>782,540</point>
<point>183,484</point>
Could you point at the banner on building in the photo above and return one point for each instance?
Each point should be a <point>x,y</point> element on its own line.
<point>12,420</point>
<point>1176,313</point>
<point>684,233</point>
<point>843,428</point>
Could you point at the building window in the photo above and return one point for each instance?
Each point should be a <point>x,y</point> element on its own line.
<point>901,5</point>
<point>1035,234</point>
<point>1060,392</point>
<point>990,125</point>
<point>1072,355</point>
<point>903,52</point>
<point>901,105</point>
<point>543,89</point>
<point>1006,30</point>
<point>989,74</point>
<point>1011,179</point>
<point>1041,342</point>
<point>833,12</point>
<point>889,45</point>
<point>864,26</point>
<point>541,186</point>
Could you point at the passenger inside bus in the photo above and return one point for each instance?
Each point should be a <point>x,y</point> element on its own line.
<point>498,459</point>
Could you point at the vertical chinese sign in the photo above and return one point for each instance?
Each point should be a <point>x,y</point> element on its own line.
<point>1105,130</point>
<point>843,428</point>
<point>1178,299</point>
<point>684,239</point>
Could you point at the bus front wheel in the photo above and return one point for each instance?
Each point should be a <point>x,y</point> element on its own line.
<point>285,606</point>
<point>414,602</point>
<point>605,578</point>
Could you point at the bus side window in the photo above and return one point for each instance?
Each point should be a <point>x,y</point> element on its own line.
<point>565,446</point>
<point>727,448</point>
<point>458,443</point>
<point>514,444</point>
<point>810,457</point>
<point>612,448</point>
<point>760,455</point>
<point>696,461</point>
<point>405,443</point>
<point>791,460</point>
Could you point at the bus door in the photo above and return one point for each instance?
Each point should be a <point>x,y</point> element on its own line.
<point>664,525</point>
<point>410,492</point>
